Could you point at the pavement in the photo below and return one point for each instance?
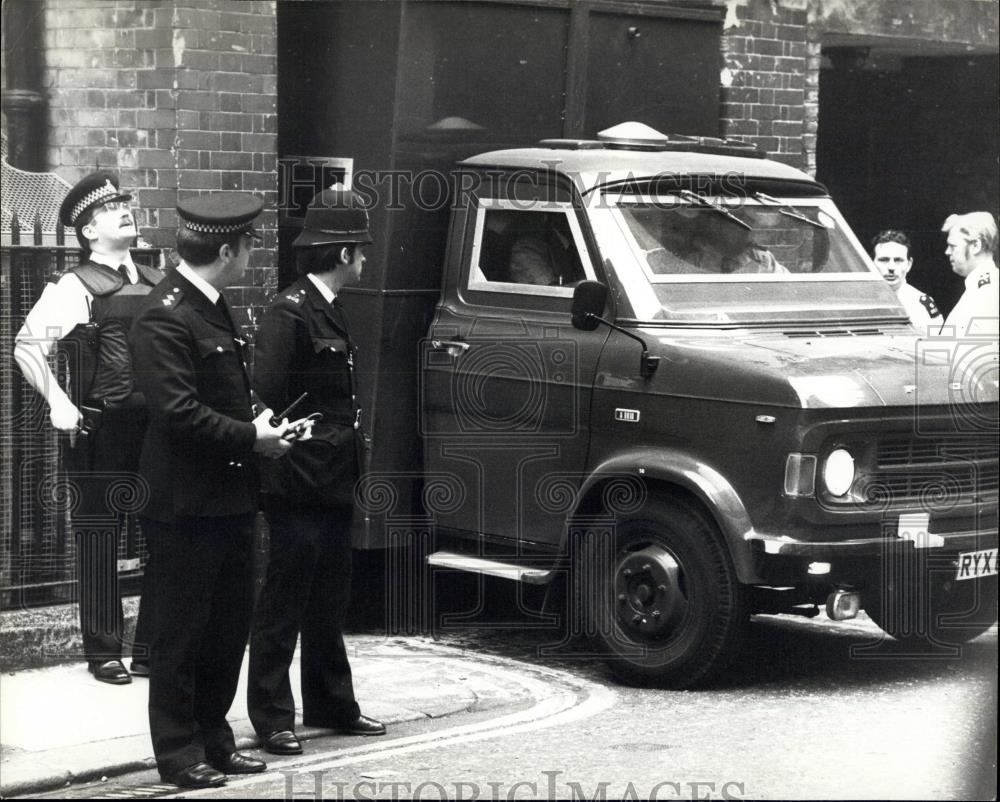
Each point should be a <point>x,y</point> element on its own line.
<point>58,725</point>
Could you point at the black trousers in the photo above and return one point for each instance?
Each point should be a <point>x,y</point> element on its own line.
<point>103,472</point>
<point>202,581</point>
<point>307,589</point>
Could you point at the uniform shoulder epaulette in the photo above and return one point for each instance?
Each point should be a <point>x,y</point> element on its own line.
<point>295,296</point>
<point>172,297</point>
<point>929,305</point>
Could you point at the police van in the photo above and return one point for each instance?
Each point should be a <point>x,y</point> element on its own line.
<point>661,374</point>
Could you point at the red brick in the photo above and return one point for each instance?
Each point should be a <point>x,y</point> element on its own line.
<point>198,179</point>
<point>264,104</point>
<point>166,179</point>
<point>155,118</point>
<point>199,140</point>
<point>260,142</point>
<point>231,62</point>
<point>155,158</point>
<point>225,121</point>
<point>153,38</point>
<point>230,101</point>
<point>232,180</point>
<point>199,101</point>
<point>154,79</point>
<point>231,161</point>
<point>103,118</point>
<point>231,82</point>
<point>200,60</point>
<point>187,159</point>
<point>188,120</point>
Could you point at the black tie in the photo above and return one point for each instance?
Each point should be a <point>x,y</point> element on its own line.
<point>123,272</point>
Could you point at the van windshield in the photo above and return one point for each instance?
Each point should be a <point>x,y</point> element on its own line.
<point>693,257</point>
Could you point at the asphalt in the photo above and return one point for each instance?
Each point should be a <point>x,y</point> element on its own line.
<point>58,725</point>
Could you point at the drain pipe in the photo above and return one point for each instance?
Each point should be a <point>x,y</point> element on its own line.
<point>23,101</point>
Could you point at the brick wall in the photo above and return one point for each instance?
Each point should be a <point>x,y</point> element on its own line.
<point>768,93</point>
<point>179,98</point>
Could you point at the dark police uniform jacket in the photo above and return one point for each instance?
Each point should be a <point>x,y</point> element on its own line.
<point>198,453</point>
<point>303,346</point>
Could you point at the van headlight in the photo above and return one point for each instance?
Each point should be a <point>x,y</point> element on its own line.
<point>838,471</point>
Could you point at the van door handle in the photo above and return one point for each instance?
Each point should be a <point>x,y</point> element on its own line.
<point>453,347</point>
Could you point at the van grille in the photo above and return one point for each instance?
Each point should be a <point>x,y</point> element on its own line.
<point>934,469</point>
<point>800,334</point>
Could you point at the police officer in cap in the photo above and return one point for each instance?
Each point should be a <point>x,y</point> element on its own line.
<point>199,459</point>
<point>303,346</point>
<point>88,310</point>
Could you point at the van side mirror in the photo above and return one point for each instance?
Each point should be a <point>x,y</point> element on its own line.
<point>589,299</point>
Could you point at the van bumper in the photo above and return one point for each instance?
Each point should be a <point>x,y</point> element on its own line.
<point>784,560</point>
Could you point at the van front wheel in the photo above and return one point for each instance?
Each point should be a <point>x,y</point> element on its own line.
<point>664,603</point>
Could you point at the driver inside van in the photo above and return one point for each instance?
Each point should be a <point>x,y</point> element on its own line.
<point>724,246</point>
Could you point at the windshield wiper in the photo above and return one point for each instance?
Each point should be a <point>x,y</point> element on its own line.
<point>701,200</point>
<point>787,210</point>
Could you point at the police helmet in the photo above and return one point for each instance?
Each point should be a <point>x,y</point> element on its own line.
<point>335,215</point>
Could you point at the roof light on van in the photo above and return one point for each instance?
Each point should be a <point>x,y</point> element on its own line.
<point>633,136</point>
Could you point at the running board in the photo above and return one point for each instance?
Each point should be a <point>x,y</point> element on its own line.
<point>480,565</point>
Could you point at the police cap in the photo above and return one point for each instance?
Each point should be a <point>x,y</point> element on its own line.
<point>89,193</point>
<point>220,213</point>
<point>335,215</point>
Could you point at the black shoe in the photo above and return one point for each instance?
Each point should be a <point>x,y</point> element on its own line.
<point>363,725</point>
<point>139,669</point>
<point>236,763</point>
<point>111,672</point>
<point>198,775</point>
<point>281,742</point>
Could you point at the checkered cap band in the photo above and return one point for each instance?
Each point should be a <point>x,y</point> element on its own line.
<point>102,193</point>
<point>217,228</point>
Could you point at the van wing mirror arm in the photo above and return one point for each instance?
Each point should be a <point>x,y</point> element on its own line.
<point>647,364</point>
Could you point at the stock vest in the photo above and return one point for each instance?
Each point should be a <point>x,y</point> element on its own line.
<point>100,366</point>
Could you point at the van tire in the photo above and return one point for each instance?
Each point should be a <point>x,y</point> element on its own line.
<point>664,604</point>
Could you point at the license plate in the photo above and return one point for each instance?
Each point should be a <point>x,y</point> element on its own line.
<point>974,564</point>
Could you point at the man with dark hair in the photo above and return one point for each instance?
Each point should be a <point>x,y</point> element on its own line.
<point>972,251</point>
<point>303,346</point>
<point>88,310</point>
<point>199,458</point>
<point>891,254</point>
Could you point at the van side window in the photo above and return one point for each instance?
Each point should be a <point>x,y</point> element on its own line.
<point>530,248</point>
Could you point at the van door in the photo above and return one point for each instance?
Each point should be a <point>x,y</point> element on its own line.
<point>507,380</point>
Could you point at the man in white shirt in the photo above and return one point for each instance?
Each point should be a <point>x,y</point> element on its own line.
<point>972,244</point>
<point>891,253</point>
<point>88,311</point>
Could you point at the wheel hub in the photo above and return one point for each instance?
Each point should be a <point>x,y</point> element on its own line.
<point>649,596</point>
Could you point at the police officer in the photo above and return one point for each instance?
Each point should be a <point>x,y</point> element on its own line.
<point>199,458</point>
<point>303,346</point>
<point>891,254</point>
<point>972,248</point>
<point>89,310</point>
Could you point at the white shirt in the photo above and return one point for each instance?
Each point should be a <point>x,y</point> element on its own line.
<point>64,305</point>
<point>921,309</point>
<point>977,313</point>
<point>203,286</point>
<point>325,291</point>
